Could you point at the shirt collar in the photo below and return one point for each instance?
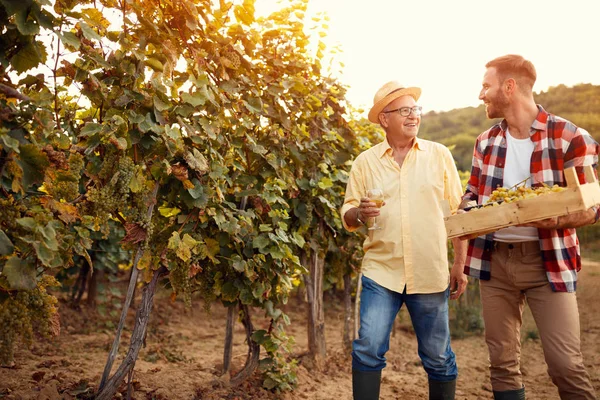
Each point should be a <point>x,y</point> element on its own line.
<point>540,121</point>
<point>385,147</point>
<point>539,124</point>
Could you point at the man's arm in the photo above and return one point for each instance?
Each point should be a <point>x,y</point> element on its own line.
<point>458,280</point>
<point>354,190</point>
<point>583,150</point>
<point>452,193</point>
<point>570,221</point>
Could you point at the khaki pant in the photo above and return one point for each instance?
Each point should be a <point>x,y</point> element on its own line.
<point>518,274</point>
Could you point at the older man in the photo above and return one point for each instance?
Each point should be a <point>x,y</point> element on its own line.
<point>405,260</point>
<point>537,262</point>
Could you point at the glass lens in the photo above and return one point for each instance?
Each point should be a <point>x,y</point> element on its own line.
<point>405,111</point>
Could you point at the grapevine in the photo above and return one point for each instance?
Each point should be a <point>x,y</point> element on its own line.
<point>226,124</point>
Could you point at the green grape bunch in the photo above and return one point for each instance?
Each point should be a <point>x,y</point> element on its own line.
<point>26,313</point>
<point>63,184</point>
<point>502,195</point>
<point>506,195</point>
<point>10,211</point>
<point>180,281</point>
<point>111,192</point>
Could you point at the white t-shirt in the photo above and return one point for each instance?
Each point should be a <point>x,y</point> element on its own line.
<point>516,169</point>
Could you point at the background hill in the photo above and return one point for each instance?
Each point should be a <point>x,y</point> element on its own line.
<point>458,128</point>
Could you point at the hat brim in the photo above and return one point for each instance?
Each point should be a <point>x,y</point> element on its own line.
<point>414,92</point>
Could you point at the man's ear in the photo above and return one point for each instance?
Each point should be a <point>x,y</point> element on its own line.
<point>382,120</point>
<point>510,85</point>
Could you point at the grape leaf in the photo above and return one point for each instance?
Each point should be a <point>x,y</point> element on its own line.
<point>213,248</point>
<point>70,39</point>
<point>30,56</point>
<point>88,31</point>
<point>6,246</point>
<point>20,274</point>
<point>26,25</point>
<point>197,161</point>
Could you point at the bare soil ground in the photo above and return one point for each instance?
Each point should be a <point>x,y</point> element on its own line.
<point>184,352</point>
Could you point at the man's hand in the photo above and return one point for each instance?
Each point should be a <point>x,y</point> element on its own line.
<point>458,281</point>
<point>548,223</point>
<point>368,208</point>
<point>574,220</point>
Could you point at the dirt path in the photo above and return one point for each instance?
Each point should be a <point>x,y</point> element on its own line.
<point>184,355</point>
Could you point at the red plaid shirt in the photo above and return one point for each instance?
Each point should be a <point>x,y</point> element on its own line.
<point>559,144</point>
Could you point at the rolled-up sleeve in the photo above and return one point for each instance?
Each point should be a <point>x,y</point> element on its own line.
<point>354,192</point>
<point>453,188</point>
<point>582,151</point>
<point>472,190</point>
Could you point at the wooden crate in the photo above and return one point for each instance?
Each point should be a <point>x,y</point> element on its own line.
<point>575,198</point>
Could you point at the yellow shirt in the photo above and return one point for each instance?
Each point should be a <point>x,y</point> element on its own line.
<point>411,249</point>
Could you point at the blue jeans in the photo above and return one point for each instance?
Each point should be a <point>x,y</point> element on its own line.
<point>429,314</point>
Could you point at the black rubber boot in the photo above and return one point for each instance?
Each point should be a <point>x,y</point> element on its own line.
<point>365,384</point>
<point>439,390</point>
<point>517,394</point>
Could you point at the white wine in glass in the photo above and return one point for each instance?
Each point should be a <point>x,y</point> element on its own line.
<point>376,196</point>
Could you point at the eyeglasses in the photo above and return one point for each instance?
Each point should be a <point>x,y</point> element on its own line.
<point>405,111</point>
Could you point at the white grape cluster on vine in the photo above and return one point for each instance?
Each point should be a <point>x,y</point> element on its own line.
<point>25,313</point>
<point>112,193</point>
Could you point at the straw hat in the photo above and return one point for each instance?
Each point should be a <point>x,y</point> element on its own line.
<point>388,93</point>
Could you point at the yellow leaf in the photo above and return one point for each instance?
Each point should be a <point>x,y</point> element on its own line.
<point>187,184</point>
<point>245,12</point>
<point>155,64</point>
<point>137,181</point>
<point>191,243</point>
<point>219,193</point>
<point>174,241</point>
<point>213,248</point>
<point>125,266</point>
<point>168,211</point>
<point>68,213</point>
<point>43,189</point>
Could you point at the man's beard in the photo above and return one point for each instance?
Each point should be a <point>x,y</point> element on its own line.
<point>496,107</point>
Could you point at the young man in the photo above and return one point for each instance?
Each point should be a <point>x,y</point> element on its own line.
<point>406,260</point>
<point>538,261</point>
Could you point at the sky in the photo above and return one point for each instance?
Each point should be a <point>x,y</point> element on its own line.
<point>442,46</point>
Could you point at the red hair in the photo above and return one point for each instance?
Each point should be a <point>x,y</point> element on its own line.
<point>516,67</point>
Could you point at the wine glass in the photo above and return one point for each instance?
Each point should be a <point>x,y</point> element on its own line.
<point>376,196</point>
